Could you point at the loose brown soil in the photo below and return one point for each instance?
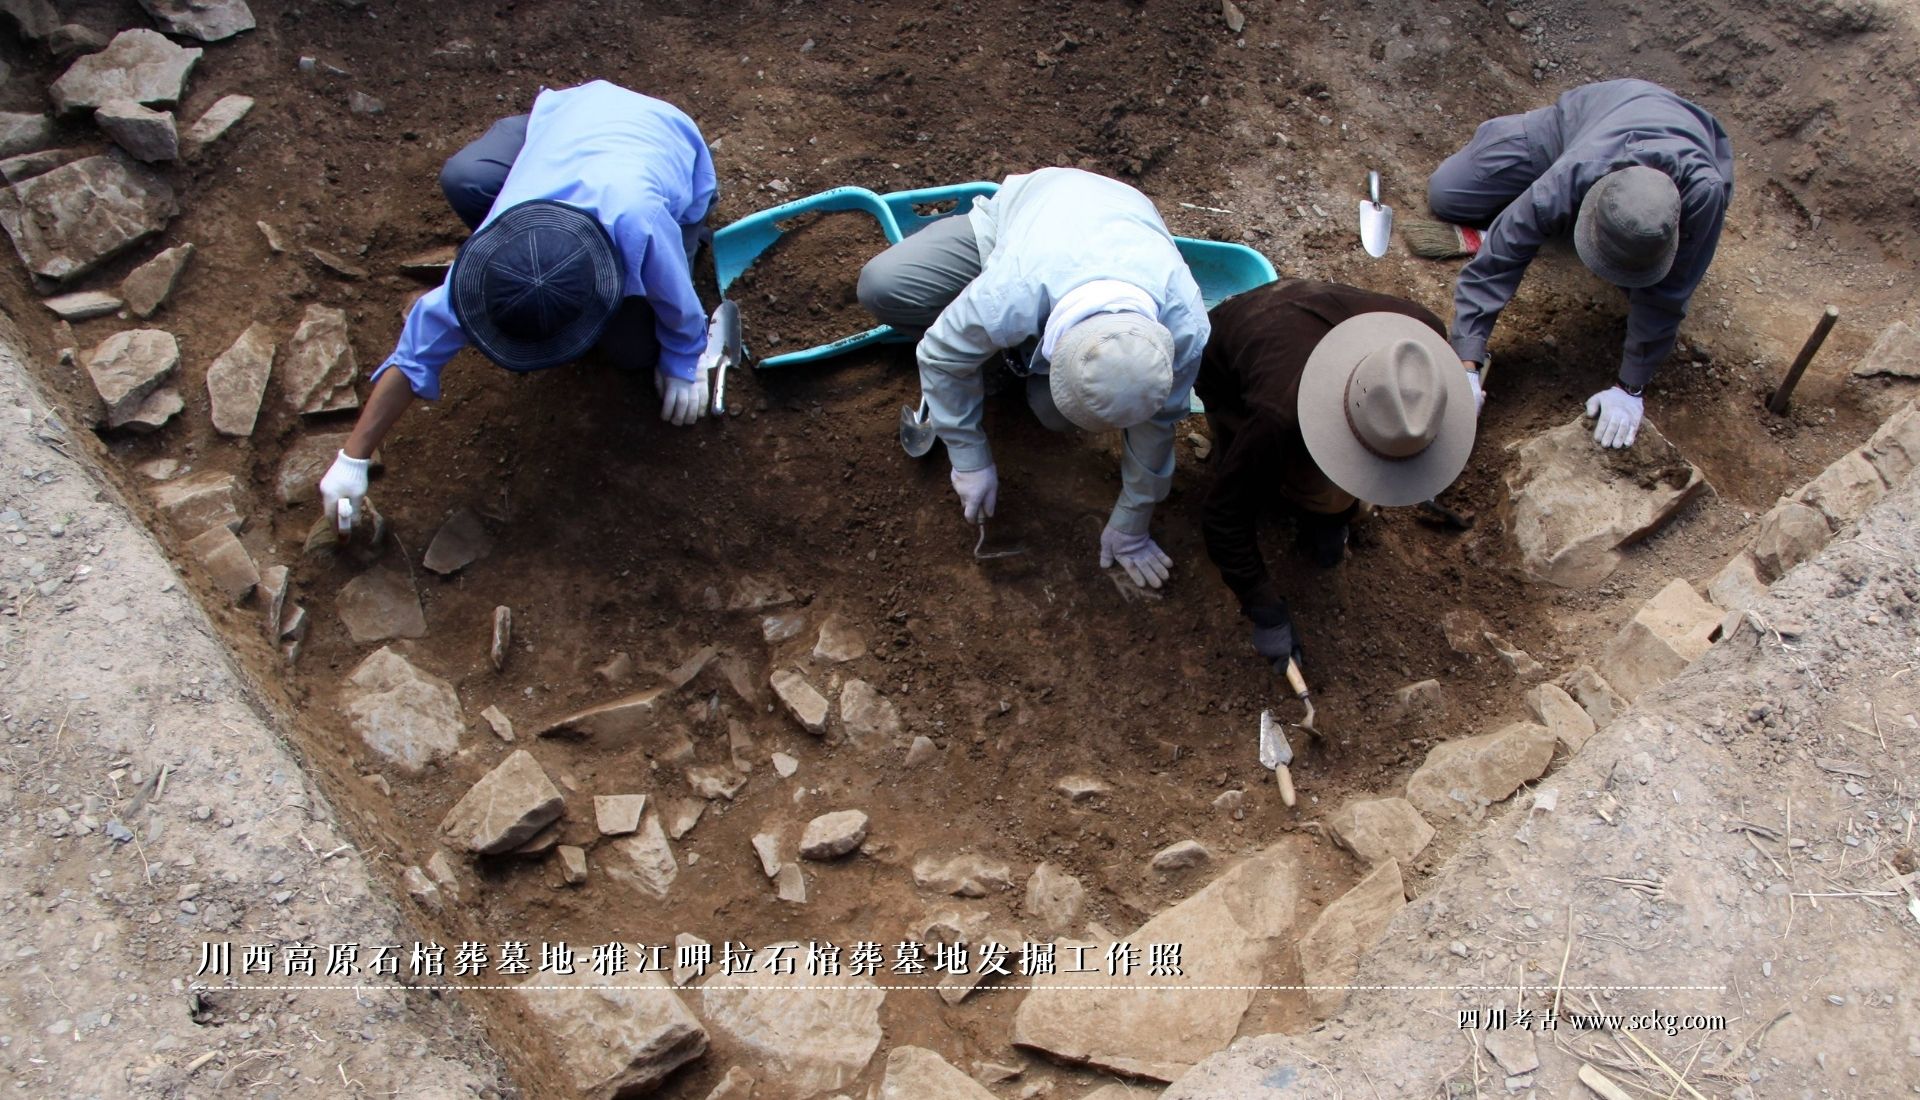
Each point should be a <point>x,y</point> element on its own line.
<point>799,293</point>
<point>611,527</point>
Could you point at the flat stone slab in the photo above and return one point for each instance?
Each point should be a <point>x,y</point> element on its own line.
<point>1055,899</point>
<point>147,287</point>
<point>618,814</point>
<point>228,565</point>
<point>1571,506</point>
<point>304,464</point>
<point>83,305</point>
<point>160,406</point>
<point>409,717</point>
<point>128,366</point>
<point>505,809</point>
<point>627,716</point>
<point>868,717</point>
<point>801,699</point>
<point>644,860</point>
<point>460,542</point>
<point>145,133</point>
<point>808,1038</point>
<point>1330,951</point>
<point>207,20</point>
<point>218,119</point>
<point>1460,778</point>
<point>1669,632</point>
<point>968,875</point>
<point>70,220</point>
<point>614,1042</point>
<point>1895,353</point>
<point>380,604</point>
<point>142,65</point>
<point>318,372</point>
<point>833,835</point>
<point>200,501</point>
<point>237,383</point>
<point>1380,829</point>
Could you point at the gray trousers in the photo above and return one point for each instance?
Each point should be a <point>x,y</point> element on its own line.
<point>1472,186</point>
<point>913,280</point>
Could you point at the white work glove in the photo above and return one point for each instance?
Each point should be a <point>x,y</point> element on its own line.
<point>345,483</point>
<point>1479,395</point>
<point>1618,413</point>
<point>979,491</point>
<point>682,401</point>
<point>1139,555</point>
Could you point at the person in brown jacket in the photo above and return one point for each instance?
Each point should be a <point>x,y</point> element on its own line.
<point>1321,397</point>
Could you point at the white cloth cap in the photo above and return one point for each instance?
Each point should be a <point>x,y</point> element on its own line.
<point>1112,371</point>
<point>1088,299</point>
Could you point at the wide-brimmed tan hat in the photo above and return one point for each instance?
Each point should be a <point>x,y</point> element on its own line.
<point>1112,371</point>
<point>1386,409</point>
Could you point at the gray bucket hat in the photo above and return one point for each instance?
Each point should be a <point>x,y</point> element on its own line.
<point>1386,410</point>
<point>1629,226</point>
<point>1112,371</point>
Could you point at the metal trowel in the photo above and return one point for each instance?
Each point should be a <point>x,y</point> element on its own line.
<point>1276,752</point>
<point>723,337</point>
<point>916,429</point>
<point>1376,220</point>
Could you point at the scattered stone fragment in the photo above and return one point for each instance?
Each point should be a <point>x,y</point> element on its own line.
<point>139,64</point>
<point>1566,719</point>
<point>692,667</point>
<point>23,133</point>
<point>506,808</point>
<point>680,815</point>
<point>1737,587</point>
<point>460,542</point>
<point>839,642</point>
<point>994,1073</point>
<point>1513,1049</point>
<point>1667,634</point>
<point>237,381</point>
<point>1423,701</point>
<point>147,287</point>
<point>421,888</point>
<point>785,765</point>
<point>790,884</point>
<point>497,719</point>
<point>1233,803</point>
<point>407,716</point>
<point>82,305</point>
<point>337,264</point>
<point>1055,899</point>
<point>430,266</point>
<point>1228,930</point>
<point>1462,777</point>
<point>1594,694</point>
<point>808,1036</point>
<point>922,751</point>
<point>807,706</point>
<point>916,1073</point>
<point>502,637</point>
<point>228,564</point>
<point>147,134</point>
<point>160,406</point>
<point>868,717</point>
<point>645,859</point>
<point>618,814</point>
<point>685,969</point>
<point>275,243</point>
<point>968,875</point>
<point>614,1040</point>
<point>1786,536</point>
<point>711,781</point>
<point>319,370</point>
<point>360,103</point>
<point>542,842</point>
<point>1181,855</point>
<point>1570,507</point>
<point>293,623</point>
<point>616,671</point>
<point>1330,951</point>
<point>1896,353</point>
<point>767,847</point>
<point>1844,490</point>
<point>752,593</point>
<point>275,581</point>
<point>1380,829</point>
<point>1466,631</point>
<point>1517,659</point>
<point>128,366</point>
<point>1079,788</point>
<point>833,835</point>
<point>573,864</point>
<point>206,20</point>
<point>25,166</point>
<point>440,867</point>
<point>740,745</point>
<point>226,111</point>
<point>380,604</point>
<point>200,501</point>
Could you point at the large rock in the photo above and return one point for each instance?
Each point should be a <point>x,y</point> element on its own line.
<point>318,373</point>
<point>200,502</point>
<point>207,20</point>
<point>236,383</point>
<point>411,718</point>
<point>23,133</point>
<point>148,286</point>
<point>916,1073</point>
<point>1055,900</point>
<point>611,1040</point>
<point>1230,933</point>
<point>380,604</point>
<point>805,1034</point>
<point>1571,506</point>
<point>833,835</point>
<point>129,365</point>
<point>868,717</point>
<point>218,119</point>
<point>139,64</point>
<point>1460,778</point>
<point>147,134</point>
<point>1896,352</point>
<point>1894,448</point>
<point>1330,951</point>
<point>1380,829</point>
<point>645,859</point>
<point>1787,535</point>
<point>801,699</point>
<point>505,809</point>
<point>1566,719</point>
<point>1737,586</point>
<point>460,542</point>
<point>70,220</point>
<point>1844,490</point>
<point>1669,632</point>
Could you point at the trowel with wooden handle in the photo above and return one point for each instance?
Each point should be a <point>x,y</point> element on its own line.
<point>1276,752</point>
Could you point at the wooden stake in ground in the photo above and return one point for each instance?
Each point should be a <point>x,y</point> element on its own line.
<point>1777,404</point>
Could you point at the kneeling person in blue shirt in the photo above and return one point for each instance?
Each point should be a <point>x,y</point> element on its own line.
<point>586,215</point>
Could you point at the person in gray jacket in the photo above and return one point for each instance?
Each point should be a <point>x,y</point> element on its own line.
<point>1079,277</point>
<point>1639,177</point>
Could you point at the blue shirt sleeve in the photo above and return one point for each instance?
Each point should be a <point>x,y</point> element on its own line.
<point>667,283</point>
<point>430,337</point>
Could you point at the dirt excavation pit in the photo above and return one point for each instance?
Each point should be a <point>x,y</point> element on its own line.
<point>751,686</point>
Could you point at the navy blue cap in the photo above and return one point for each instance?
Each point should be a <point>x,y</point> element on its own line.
<point>537,285</point>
